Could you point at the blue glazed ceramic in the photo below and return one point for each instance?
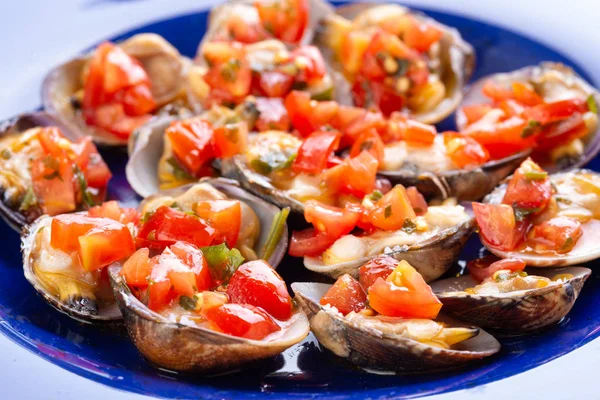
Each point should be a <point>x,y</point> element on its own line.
<point>105,355</point>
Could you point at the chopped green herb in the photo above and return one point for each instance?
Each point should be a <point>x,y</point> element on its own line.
<point>530,129</point>
<point>29,200</point>
<point>375,196</point>
<point>387,212</point>
<point>591,103</point>
<point>261,166</point>
<point>522,213</point>
<point>276,163</point>
<point>230,70</point>
<point>523,274</point>
<point>178,172</point>
<point>563,200</point>
<point>147,216</point>
<point>502,277</point>
<point>275,233</point>
<point>222,261</point>
<point>86,196</point>
<point>175,206</point>
<point>536,175</point>
<point>409,226</point>
<point>53,175</point>
<point>323,95</point>
<point>188,303</point>
<point>554,187</point>
<point>403,65</point>
<point>6,154</point>
<point>568,244</point>
<point>366,145</point>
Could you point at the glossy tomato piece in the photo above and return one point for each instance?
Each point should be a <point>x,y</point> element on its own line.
<point>160,294</point>
<point>191,256</point>
<point>310,62</point>
<point>475,112</point>
<point>136,270</point>
<point>346,294</point>
<point>112,210</point>
<point>496,91</point>
<point>299,108</point>
<point>192,143</point>
<point>504,138</point>
<point>352,50</point>
<point>404,294</point>
<point>315,150</point>
<point>392,210</point>
<point>257,284</point>
<point>333,221</point>
<point>93,87</point>
<point>166,226</point>
<point>53,141</point>
<point>230,139</point>
<point>374,94</point>
<point>121,71</point>
<point>556,111</point>
<point>104,244</point>
<point>273,115</point>
<point>67,228</point>
<point>498,226</point>
<point>355,176</point>
<point>379,267</point>
<point>525,94</point>
<point>370,141</point>
<point>183,282</point>
<point>285,19</point>
<point>309,243</point>
<point>354,122</point>
<point>225,216</point>
<point>562,132</point>
<point>243,29</point>
<point>229,72</point>
<point>483,268</point>
<point>383,45</point>
<point>275,83</point>
<point>421,35</point>
<point>417,201</point>
<point>242,320</point>
<point>53,184</point>
<point>529,188</point>
<point>112,118</point>
<point>559,234</point>
<point>138,100</point>
<point>416,133</point>
<point>464,151</point>
<point>88,159</point>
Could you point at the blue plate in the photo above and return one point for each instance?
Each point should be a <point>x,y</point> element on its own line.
<point>107,356</point>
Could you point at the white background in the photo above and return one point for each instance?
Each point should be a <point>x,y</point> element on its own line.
<point>38,34</point>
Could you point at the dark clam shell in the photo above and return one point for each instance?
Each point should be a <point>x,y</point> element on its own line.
<point>381,352</point>
<point>193,349</point>
<point>513,313</point>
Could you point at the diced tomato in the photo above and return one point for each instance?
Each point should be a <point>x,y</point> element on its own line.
<point>310,62</point>
<point>355,176</point>
<point>192,143</point>
<point>559,234</point>
<point>346,295</point>
<point>229,71</point>
<point>53,184</point>
<point>485,267</point>
<point>421,35</point>
<point>345,116</point>
<point>286,19</point>
<point>498,226</point>
<point>165,226</point>
<point>309,243</point>
<point>112,210</point>
<point>352,50</point>
<point>525,94</point>
<point>195,260</point>
<point>138,100</point>
<point>562,132</point>
<point>475,112</point>
<point>529,188</point>
<point>159,294</point>
<point>334,221</point>
<point>88,159</point>
<point>511,108</point>
<point>556,111</point>
<point>66,229</point>
<point>496,91</point>
<point>242,320</point>
<point>183,282</point>
<point>230,139</point>
<point>417,133</point>
<point>93,88</point>
<point>121,71</point>
<point>379,267</point>
<point>357,123</point>
<point>464,151</point>
<point>298,105</point>
<point>388,45</point>
<point>392,210</point>
<point>369,141</point>
<point>374,94</point>
<point>314,152</point>
<point>417,201</point>
<point>275,83</point>
<point>404,294</point>
<point>273,115</point>
<point>225,216</point>
<point>505,138</point>
<point>257,284</point>
<point>243,30</point>
<point>104,244</point>
<point>136,269</point>
<point>112,118</point>
<point>53,141</point>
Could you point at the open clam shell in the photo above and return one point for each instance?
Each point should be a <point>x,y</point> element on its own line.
<point>456,57</point>
<point>470,184</point>
<point>585,250</point>
<point>431,257</point>
<point>265,211</point>
<point>382,352</point>
<point>107,313</point>
<point>15,126</point>
<point>547,75</point>
<point>219,16</point>
<point>193,349</point>
<point>517,312</point>
<point>166,69</point>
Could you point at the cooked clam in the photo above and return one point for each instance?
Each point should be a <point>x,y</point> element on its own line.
<point>576,196</point>
<point>450,61</point>
<point>192,348</point>
<point>61,281</point>
<point>513,303</point>
<point>165,67</point>
<point>553,82</point>
<point>383,344</point>
<point>258,216</point>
